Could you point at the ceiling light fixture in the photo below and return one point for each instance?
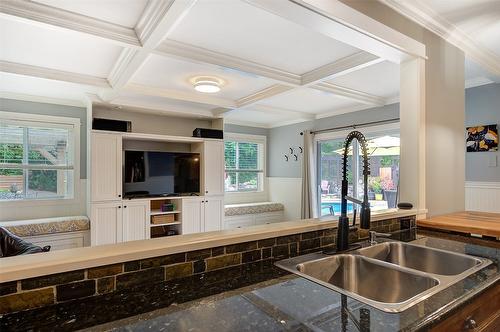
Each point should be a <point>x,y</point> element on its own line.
<point>207,84</point>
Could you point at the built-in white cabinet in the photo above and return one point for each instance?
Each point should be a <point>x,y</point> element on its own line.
<point>106,223</point>
<point>115,222</point>
<point>214,213</point>
<point>192,215</point>
<point>202,214</point>
<point>106,167</point>
<point>135,220</point>
<point>213,154</point>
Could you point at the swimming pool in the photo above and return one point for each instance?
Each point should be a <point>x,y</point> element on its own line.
<point>325,208</point>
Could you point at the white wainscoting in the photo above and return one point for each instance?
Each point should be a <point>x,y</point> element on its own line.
<point>287,191</point>
<point>482,196</point>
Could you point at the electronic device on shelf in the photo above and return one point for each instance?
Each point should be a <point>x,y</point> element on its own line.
<point>112,125</point>
<point>208,133</point>
<point>161,174</point>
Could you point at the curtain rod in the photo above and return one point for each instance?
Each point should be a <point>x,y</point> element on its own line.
<point>354,126</point>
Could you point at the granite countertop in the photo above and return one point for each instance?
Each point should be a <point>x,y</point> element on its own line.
<point>256,297</point>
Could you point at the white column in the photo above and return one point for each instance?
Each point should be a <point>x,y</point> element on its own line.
<point>412,122</point>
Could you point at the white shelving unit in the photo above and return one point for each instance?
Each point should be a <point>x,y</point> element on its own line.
<point>159,212</point>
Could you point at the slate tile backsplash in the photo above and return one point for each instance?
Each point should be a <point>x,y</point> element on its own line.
<point>59,288</point>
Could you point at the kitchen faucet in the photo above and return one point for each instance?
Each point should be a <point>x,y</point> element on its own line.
<point>343,223</point>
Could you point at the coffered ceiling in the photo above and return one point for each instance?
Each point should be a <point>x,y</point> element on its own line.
<point>142,54</point>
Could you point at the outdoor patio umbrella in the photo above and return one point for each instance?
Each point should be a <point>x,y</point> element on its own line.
<point>380,146</point>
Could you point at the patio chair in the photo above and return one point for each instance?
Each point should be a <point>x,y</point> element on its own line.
<point>325,187</point>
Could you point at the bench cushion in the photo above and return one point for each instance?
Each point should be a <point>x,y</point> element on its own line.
<point>34,227</point>
<point>252,208</point>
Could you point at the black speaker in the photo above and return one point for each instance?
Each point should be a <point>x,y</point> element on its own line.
<point>208,133</point>
<point>112,125</point>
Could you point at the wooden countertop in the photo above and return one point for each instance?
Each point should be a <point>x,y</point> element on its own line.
<point>466,222</point>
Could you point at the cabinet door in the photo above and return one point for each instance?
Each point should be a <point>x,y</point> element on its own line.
<point>135,220</point>
<point>214,168</point>
<point>214,213</point>
<point>192,215</point>
<point>106,223</point>
<point>106,169</point>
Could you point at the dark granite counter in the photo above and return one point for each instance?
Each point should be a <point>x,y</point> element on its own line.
<point>254,297</point>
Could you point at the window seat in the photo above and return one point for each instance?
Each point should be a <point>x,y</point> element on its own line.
<point>252,214</point>
<point>59,232</point>
<point>252,208</point>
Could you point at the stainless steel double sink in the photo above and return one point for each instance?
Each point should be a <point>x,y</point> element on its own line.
<point>390,276</point>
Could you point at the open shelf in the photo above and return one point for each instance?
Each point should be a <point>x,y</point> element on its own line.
<point>159,212</point>
<point>166,224</point>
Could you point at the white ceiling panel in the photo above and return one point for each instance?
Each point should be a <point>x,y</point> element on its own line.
<point>161,103</point>
<point>170,73</point>
<point>381,79</point>
<point>56,49</point>
<point>25,85</point>
<point>122,12</point>
<point>309,101</point>
<point>242,30</point>
<point>259,118</point>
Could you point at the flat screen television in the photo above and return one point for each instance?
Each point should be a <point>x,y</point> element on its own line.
<point>151,173</point>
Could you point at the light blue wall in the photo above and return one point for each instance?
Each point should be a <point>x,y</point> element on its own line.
<point>282,138</point>
<point>10,105</point>
<point>482,107</point>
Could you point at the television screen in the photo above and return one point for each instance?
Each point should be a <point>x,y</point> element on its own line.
<point>157,173</point>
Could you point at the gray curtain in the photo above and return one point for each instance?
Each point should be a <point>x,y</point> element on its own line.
<point>309,207</point>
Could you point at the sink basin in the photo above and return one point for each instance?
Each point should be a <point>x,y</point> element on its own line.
<point>390,276</point>
<point>363,277</point>
<point>421,258</point>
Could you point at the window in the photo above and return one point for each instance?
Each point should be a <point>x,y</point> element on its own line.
<point>383,150</point>
<point>244,163</point>
<point>37,158</point>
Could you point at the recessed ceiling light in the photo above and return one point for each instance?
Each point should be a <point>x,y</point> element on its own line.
<point>207,84</point>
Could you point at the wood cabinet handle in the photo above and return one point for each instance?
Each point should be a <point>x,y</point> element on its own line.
<point>206,191</point>
<point>119,207</point>
<point>124,206</point>
<point>119,195</point>
<point>470,323</point>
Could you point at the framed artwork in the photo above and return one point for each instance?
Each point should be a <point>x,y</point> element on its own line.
<point>482,138</point>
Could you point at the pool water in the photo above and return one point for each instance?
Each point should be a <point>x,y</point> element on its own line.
<point>325,208</point>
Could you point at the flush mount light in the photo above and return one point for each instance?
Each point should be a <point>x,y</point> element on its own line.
<point>207,84</point>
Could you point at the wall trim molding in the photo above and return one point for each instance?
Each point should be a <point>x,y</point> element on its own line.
<point>482,184</point>
<point>362,97</point>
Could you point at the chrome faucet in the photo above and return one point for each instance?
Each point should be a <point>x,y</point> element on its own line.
<point>343,224</point>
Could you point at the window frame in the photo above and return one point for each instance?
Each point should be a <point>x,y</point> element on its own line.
<point>249,138</point>
<point>49,121</point>
<point>343,134</point>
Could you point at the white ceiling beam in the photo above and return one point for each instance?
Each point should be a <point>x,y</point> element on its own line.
<point>52,74</point>
<point>429,19</point>
<point>269,92</point>
<point>359,96</point>
<point>40,13</point>
<point>281,111</point>
<point>184,51</point>
<point>340,67</point>
<point>179,95</point>
<point>158,19</point>
<point>336,20</point>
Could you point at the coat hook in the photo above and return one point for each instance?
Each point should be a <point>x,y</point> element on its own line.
<point>286,158</point>
<point>296,158</point>
<point>291,150</point>
<point>301,150</point>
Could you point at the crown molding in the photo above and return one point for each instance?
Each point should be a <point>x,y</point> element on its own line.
<point>151,108</point>
<point>52,74</point>
<point>118,73</point>
<point>171,48</point>
<point>151,18</point>
<point>269,92</point>
<point>340,67</point>
<point>282,111</point>
<point>344,110</point>
<point>246,123</point>
<point>477,81</point>
<point>429,19</point>
<point>36,12</point>
<point>359,96</point>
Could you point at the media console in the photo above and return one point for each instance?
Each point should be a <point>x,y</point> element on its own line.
<point>117,219</point>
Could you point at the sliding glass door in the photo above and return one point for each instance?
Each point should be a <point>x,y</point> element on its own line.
<point>383,150</point>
